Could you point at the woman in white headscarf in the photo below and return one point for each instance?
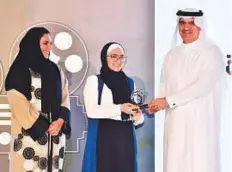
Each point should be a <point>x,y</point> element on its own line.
<point>111,141</point>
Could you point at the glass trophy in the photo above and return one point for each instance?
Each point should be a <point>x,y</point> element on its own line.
<point>138,97</point>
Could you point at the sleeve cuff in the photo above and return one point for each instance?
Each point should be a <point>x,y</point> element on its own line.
<point>140,121</point>
<point>118,109</point>
<point>65,115</point>
<point>39,128</point>
<point>171,102</point>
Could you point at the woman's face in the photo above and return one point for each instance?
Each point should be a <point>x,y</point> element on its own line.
<point>46,44</point>
<point>116,60</point>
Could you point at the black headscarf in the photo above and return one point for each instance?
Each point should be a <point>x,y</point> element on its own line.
<point>117,82</point>
<point>30,57</point>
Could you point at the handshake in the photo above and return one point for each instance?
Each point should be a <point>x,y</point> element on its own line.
<point>152,107</point>
<point>157,105</point>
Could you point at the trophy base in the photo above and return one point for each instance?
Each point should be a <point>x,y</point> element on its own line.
<point>144,106</point>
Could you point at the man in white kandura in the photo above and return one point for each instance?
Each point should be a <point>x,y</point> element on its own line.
<point>190,92</point>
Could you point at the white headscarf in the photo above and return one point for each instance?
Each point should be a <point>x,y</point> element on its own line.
<point>114,46</point>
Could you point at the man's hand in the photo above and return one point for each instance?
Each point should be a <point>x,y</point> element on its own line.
<point>157,105</point>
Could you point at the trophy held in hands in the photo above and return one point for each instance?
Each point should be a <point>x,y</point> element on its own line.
<point>138,97</point>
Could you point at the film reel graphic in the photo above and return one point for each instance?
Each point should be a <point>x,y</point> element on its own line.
<point>69,51</point>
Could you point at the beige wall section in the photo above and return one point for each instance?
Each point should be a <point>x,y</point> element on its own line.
<point>127,21</point>
<point>13,19</point>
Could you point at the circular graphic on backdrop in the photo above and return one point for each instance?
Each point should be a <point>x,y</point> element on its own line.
<point>5,138</point>
<point>68,51</point>
<point>73,63</point>
<point>63,40</point>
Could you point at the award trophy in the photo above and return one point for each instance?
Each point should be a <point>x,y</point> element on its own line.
<point>138,97</point>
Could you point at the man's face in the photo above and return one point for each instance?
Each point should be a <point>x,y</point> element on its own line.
<point>189,32</point>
